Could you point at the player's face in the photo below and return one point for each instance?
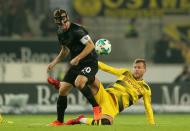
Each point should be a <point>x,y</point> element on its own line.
<point>64,20</point>
<point>139,70</point>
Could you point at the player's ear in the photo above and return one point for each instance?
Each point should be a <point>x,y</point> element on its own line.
<point>68,17</point>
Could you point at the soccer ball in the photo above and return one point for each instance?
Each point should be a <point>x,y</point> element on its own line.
<point>103,47</point>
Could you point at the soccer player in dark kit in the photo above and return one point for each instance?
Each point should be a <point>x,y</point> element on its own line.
<point>74,39</point>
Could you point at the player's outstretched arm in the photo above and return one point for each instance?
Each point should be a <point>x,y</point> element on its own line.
<point>110,69</point>
<point>63,53</point>
<point>148,109</point>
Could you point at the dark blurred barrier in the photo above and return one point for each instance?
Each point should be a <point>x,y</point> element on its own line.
<point>38,93</point>
<point>41,98</point>
<point>171,94</point>
<point>45,50</point>
<point>41,50</point>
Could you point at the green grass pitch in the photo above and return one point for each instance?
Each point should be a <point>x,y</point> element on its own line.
<point>123,122</point>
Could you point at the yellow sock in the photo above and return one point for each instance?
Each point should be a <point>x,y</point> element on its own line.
<point>90,121</point>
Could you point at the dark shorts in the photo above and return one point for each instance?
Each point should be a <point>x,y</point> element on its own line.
<point>88,69</point>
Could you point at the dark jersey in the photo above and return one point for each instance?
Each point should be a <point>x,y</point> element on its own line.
<point>71,38</point>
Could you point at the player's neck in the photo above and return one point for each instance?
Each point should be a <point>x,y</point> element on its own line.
<point>138,79</point>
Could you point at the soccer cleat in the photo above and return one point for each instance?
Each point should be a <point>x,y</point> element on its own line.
<point>97,112</point>
<point>74,121</point>
<point>5,122</point>
<point>54,82</point>
<point>56,123</point>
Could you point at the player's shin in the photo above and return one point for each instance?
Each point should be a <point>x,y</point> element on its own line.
<point>96,108</point>
<point>88,94</point>
<point>61,107</point>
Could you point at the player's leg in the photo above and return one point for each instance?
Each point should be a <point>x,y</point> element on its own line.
<point>81,84</point>
<point>85,77</point>
<point>104,120</point>
<point>94,87</point>
<point>62,100</point>
<point>102,98</point>
<point>64,88</point>
<point>90,121</point>
<point>105,99</point>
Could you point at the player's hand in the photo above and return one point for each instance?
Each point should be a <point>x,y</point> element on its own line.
<point>51,65</point>
<point>75,61</point>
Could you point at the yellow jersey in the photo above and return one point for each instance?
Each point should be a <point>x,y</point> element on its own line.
<point>127,87</point>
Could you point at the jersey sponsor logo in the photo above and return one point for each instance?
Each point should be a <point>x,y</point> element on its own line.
<point>133,85</point>
<point>86,70</point>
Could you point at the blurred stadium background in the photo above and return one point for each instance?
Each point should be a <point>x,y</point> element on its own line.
<point>157,30</point>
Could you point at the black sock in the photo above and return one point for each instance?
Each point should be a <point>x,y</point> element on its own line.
<point>88,94</point>
<point>61,106</point>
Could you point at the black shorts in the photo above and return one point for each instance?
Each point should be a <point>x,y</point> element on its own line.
<point>88,69</point>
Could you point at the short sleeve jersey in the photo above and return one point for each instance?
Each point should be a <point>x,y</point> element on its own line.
<point>72,39</point>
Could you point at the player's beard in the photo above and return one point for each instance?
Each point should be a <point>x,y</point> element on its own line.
<point>137,76</point>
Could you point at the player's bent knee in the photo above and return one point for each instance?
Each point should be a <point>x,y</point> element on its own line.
<point>81,81</point>
<point>105,121</point>
<point>63,91</point>
<point>80,84</point>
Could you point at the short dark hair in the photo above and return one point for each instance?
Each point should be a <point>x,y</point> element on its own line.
<point>138,60</point>
<point>58,12</point>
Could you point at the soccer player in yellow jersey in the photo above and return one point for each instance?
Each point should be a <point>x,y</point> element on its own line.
<point>126,91</point>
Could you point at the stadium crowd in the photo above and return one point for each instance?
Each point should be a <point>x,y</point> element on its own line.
<point>18,19</point>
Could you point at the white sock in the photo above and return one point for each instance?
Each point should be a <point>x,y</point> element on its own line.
<point>83,120</point>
